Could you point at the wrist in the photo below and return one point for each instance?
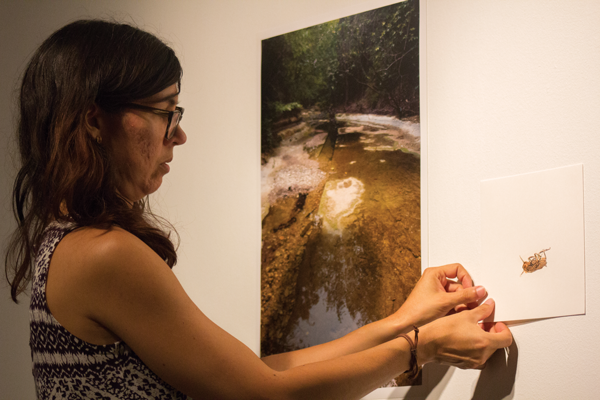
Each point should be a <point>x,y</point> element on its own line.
<point>425,354</point>
<point>400,322</point>
<point>412,338</point>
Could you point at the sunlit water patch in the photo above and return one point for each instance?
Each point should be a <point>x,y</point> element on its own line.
<point>340,198</point>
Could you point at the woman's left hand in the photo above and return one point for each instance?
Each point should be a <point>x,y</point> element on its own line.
<point>436,294</point>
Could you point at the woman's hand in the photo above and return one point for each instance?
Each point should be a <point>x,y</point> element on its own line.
<point>460,340</point>
<point>436,294</point>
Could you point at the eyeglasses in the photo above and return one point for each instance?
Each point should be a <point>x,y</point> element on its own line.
<point>173,116</point>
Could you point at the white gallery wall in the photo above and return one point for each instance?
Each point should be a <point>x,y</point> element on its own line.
<point>512,87</point>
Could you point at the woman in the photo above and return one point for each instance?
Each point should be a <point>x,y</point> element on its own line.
<point>98,126</point>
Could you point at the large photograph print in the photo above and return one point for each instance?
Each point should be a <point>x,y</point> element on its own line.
<point>340,166</point>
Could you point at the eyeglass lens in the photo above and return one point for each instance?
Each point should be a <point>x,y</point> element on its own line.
<point>173,124</point>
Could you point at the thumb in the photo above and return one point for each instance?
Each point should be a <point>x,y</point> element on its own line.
<point>503,336</point>
<point>467,295</point>
<point>483,311</point>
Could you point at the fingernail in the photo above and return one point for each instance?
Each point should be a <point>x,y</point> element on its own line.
<point>489,301</point>
<point>480,291</point>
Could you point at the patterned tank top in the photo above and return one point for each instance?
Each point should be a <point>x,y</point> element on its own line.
<point>66,367</point>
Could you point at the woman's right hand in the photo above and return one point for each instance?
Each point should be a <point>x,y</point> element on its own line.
<point>438,291</point>
<point>460,340</point>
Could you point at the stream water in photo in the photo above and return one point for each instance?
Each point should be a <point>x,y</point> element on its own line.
<point>341,249</point>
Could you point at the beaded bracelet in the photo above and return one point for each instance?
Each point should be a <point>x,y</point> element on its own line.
<point>414,367</point>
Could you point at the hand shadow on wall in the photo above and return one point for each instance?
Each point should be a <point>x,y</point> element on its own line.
<point>496,381</point>
<point>437,378</point>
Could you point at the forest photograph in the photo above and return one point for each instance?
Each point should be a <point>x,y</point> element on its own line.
<point>340,176</point>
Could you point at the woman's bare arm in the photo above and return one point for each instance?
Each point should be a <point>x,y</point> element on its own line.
<point>433,297</point>
<point>126,288</point>
<point>364,338</point>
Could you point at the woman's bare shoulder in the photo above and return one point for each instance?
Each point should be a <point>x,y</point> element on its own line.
<point>90,258</point>
<point>101,240</point>
<point>86,266</point>
<point>101,248</point>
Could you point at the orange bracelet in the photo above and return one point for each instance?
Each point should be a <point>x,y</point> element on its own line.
<point>414,367</point>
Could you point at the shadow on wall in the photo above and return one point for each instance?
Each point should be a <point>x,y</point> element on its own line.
<point>496,381</point>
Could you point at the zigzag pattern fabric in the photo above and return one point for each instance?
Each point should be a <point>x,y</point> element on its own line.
<point>66,367</point>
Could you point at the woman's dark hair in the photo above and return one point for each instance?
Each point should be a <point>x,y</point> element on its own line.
<point>65,175</point>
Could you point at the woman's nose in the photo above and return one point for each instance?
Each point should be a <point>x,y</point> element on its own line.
<point>180,137</point>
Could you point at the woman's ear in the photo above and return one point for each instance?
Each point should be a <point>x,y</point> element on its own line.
<point>94,122</point>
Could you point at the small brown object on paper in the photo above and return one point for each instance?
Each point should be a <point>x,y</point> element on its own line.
<point>536,262</point>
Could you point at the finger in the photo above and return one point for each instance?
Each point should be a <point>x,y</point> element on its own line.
<point>455,287</point>
<point>500,326</point>
<point>466,296</point>
<point>502,336</point>
<point>482,295</point>
<point>457,309</point>
<point>495,327</point>
<point>458,271</point>
<point>460,308</point>
<point>452,286</point>
<point>483,311</point>
<point>487,326</point>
